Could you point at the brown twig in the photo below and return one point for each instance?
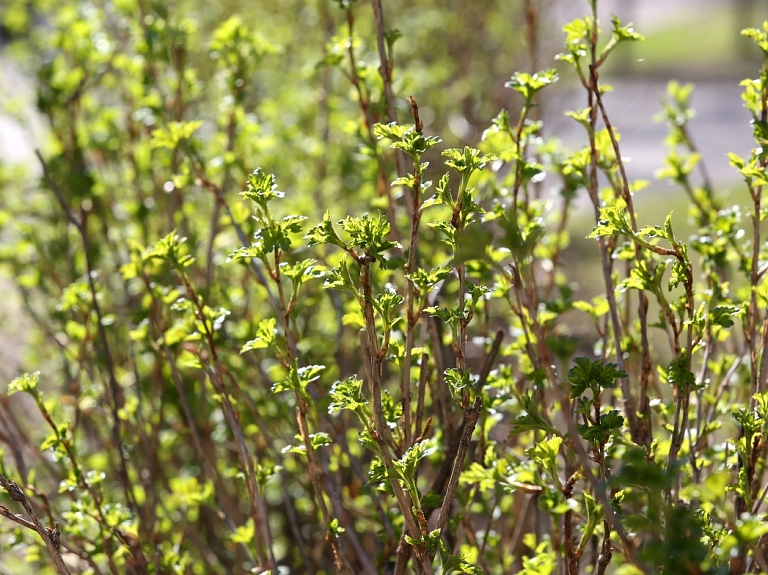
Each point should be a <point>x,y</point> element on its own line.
<point>606,553</point>
<point>449,461</point>
<point>412,318</point>
<point>571,555</point>
<point>470,420</point>
<point>51,537</point>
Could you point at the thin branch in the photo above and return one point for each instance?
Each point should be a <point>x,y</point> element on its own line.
<point>51,537</point>
<point>471,416</point>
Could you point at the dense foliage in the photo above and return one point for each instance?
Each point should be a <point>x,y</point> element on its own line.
<point>367,361</point>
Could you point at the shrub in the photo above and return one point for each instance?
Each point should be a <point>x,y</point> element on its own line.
<point>351,375</point>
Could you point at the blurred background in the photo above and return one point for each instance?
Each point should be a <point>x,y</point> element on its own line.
<point>694,41</point>
<point>454,57</point>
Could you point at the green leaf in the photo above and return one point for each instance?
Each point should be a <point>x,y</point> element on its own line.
<point>458,381</point>
<point>449,564</point>
<point>531,419</point>
<point>442,194</point>
<point>597,308</point>
<point>624,33</point>
<point>594,375</point>
<point>484,477</point>
<point>238,48</point>
<point>544,454</point>
<point>347,394</point>
<point>594,515</point>
<point>619,34</point>
<point>431,541</point>
<point>759,37</point>
<point>599,433</point>
<point>265,335</point>
<point>406,466</point>
<point>340,278</point>
<point>467,160</point>
<point>174,134</point>
<point>334,529</point>
<point>302,271</point>
<point>613,220</point>
<point>55,440</point>
<point>319,439</point>
<point>254,251</point>
<point>753,172</point>
<point>298,378</point>
<point>678,168</point>
<point>577,32</point>
<point>750,421</point>
<point>170,248</point>
<point>244,534</point>
<point>386,304</point>
<point>639,471</point>
<point>721,315</point>
<point>27,382</point>
<point>530,84</point>
<point>680,375</point>
<point>426,280</point>
<point>582,117</point>
<point>391,36</point>
<point>261,188</point>
<point>409,140</point>
<point>447,230</point>
<point>370,233</point>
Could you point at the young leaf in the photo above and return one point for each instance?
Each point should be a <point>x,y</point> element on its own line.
<point>594,375</point>
<point>531,419</point>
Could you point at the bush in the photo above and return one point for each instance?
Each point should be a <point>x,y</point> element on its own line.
<point>355,375</point>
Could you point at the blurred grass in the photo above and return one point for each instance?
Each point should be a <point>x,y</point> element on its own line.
<point>707,35</point>
<point>704,43</point>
